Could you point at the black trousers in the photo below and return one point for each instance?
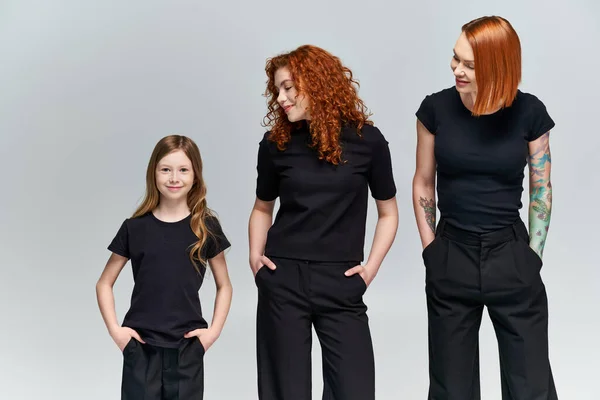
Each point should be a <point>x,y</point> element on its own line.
<point>292,299</point>
<point>157,373</point>
<point>464,273</point>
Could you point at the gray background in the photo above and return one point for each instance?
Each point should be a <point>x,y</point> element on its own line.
<point>88,87</point>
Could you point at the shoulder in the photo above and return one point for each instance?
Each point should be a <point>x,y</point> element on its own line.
<point>266,146</point>
<point>531,108</point>
<point>441,96</point>
<point>369,135</point>
<point>213,223</point>
<point>265,138</point>
<point>138,224</point>
<point>141,220</point>
<point>528,101</point>
<point>372,134</point>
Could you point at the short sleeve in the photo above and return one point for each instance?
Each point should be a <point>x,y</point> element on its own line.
<point>120,243</point>
<point>217,241</point>
<point>426,114</point>
<point>540,121</point>
<point>267,181</point>
<point>381,177</point>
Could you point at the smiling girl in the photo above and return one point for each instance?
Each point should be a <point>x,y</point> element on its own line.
<point>170,240</point>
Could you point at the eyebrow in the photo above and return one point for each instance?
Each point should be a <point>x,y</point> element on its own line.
<point>284,81</point>
<point>467,61</point>
<point>168,165</point>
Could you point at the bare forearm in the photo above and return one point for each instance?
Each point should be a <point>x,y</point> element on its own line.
<point>258,227</point>
<point>106,303</point>
<point>385,233</point>
<point>221,308</point>
<point>424,206</point>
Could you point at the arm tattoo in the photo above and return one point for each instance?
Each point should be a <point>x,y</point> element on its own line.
<point>429,207</point>
<point>540,193</point>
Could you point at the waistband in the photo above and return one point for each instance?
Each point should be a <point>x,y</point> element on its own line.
<point>515,231</point>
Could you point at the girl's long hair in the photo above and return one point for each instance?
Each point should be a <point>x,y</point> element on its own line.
<point>196,198</point>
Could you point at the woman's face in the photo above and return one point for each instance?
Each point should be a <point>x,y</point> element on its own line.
<point>463,65</point>
<point>294,104</point>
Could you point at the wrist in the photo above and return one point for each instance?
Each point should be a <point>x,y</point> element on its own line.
<point>112,329</point>
<point>214,332</point>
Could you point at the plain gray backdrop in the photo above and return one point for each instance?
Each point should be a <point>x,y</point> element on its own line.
<point>88,87</point>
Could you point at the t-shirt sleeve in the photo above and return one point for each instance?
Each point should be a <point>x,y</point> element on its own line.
<point>381,176</point>
<point>267,180</point>
<point>217,241</point>
<point>540,121</point>
<point>426,114</point>
<point>120,243</point>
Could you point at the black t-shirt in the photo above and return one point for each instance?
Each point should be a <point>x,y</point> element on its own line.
<point>165,303</point>
<point>481,160</point>
<point>323,207</point>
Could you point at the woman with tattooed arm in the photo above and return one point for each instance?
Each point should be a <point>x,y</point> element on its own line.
<point>476,138</point>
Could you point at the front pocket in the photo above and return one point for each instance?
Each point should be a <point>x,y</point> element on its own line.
<point>128,345</point>
<point>260,270</point>
<point>531,251</point>
<point>362,284</point>
<point>202,349</point>
<point>527,261</point>
<point>429,247</point>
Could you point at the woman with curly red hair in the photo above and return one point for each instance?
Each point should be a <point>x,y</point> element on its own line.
<point>320,157</point>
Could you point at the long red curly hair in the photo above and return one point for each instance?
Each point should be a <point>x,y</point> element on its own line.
<point>332,93</point>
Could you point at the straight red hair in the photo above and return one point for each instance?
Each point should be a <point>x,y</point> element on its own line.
<point>497,51</point>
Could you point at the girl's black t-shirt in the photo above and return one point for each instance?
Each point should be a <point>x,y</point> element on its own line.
<point>481,160</point>
<point>323,207</point>
<point>165,303</point>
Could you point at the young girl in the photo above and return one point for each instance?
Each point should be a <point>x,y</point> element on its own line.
<point>169,239</point>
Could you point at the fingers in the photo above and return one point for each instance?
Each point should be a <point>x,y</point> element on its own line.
<point>137,337</point>
<point>355,270</point>
<point>193,333</point>
<point>268,263</point>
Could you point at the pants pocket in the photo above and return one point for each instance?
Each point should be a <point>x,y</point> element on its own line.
<point>258,273</point>
<point>128,346</point>
<point>527,261</point>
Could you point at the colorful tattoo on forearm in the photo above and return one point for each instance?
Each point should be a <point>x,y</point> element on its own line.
<point>540,195</point>
<point>429,208</point>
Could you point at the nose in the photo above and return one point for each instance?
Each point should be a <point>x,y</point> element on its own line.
<point>173,177</point>
<point>281,98</point>
<point>459,71</point>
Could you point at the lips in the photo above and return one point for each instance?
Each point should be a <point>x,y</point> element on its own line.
<point>286,108</point>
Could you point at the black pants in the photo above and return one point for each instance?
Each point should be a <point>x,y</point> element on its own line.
<point>157,373</point>
<point>292,299</point>
<point>464,273</point>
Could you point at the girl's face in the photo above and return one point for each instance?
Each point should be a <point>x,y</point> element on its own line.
<point>174,176</point>
<point>294,104</point>
<point>463,65</point>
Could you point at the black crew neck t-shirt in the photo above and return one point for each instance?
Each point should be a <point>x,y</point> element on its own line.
<point>165,303</point>
<point>323,207</point>
<point>481,160</point>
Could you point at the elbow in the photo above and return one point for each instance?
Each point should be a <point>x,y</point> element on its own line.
<point>226,288</point>
<point>421,183</point>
